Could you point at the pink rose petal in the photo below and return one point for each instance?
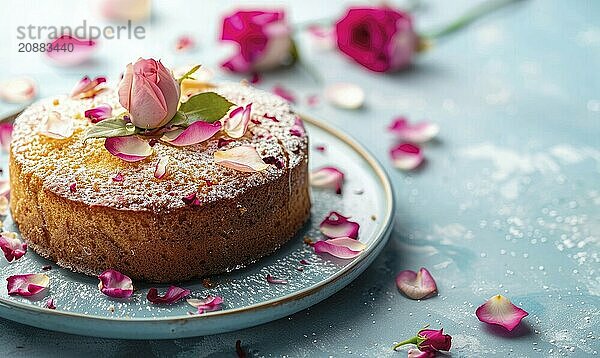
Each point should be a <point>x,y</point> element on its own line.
<point>223,142</point>
<point>197,132</point>
<point>298,128</point>
<point>88,88</point>
<point>275,280</point>
<point>416,285</point>
<point>18,90</point>
<point>129,149</point>
<point>406,156</point>
<point>415,133</point>
<point>50,304</point>
<point>255,79</point>
<point>191,199</point>
<point>172,295</point>
<point>341,247</point>
<point>337,225</point>
<point>345,95</point>
<point>12,246</point>
<point>56,126</point>
<point>284,93</point>
<point>118,178</point>
<point>115,284</point>
<point>235,126</point>
<point>500,311</point>
<point>185,43</point>
<point>320,148</point>
<point>161,167</point>
<point>210,303</point>
<point>99,113</point>
<point>273,118</point>
<point>82,51</point>
<point>244,158</point>
<point>73,187</point>
<point>416,353</point>
<point>5,136</point>
<point>312,100</point>
<point>27,285</point>
<point>327,178</point>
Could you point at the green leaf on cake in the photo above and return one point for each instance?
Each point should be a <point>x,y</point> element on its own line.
<point>111,127</point>
<point>207,106</point>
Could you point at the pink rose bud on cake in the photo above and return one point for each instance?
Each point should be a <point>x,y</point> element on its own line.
<point>150,93</point>
<point>381,39</point>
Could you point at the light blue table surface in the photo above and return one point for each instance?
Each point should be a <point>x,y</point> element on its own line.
<point>508,201</point>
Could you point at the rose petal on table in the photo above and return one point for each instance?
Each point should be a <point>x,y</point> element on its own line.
<point>185,43</point>
<point>12,246</point>
<point>99,113</point>
<point>172,295</point>
<point>28,284</point>
<point>88,88</point>
<point>18,90</point>
<point>210,303</point>
<point>406,156</point>
<point>5,136</point>
<point>50,304</point>
<point>341,247</point>
<point>82,51</point>
<point>161,167</point>
<point>337,225</point>
<point>500,311</point>
<point>415,353</point>
<point>327,178</point>
<point>115,284</point>
<point>236,124</point>
<point>197,132</point>
<point>275,280</point>
<point>56,126</point>
<point>284,93</point>
<point>322,37</point>
<point>345,95</point>
<point>244,158</point>
<point>415,133</point>
<point>416,285</point>
<point>129,149</point>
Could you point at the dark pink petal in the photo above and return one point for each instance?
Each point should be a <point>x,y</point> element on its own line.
<point>191,199</point>
<point>50,304</point>
<point>12,246</point>
<point>172,295</point>
<point>99,113</point>
<point>197,132</point>
<point>244,158</point>
<point>277,162</point>
<point>223,142</point>
<point>210,303</point>
<point>298,128</point>
<point>304,262</point>
<point>406,156</point>
<point>129,149</point>
<point>345,95</point>
<point>115,284</point>
<point>18,90</point>
<point>5,135</point>
<point>500,311</point>
<point>415,133</point>
<point>273,118</point>
<point>88,88</point>
<point>161,167</point>
<point>185,43</point>
<point>55,125</point>
<point>416,285</point>
<point>82,51</point>
<point>275,280</point>
<point>235,126</point>
<point>284,93</point>
<point>320,148</point>
<point>118,178</point>
<point>27,285</point>
<point>255,79</point>
<point>337,225</point>
<point>341,247</point>
<point>73,187</point>
<point>327,178</point>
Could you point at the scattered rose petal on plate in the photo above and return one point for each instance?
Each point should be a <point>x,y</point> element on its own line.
<point>406,156</point>
<point>416,353</point>
<point>191,200</point>
<point>345,95</point>
<point>236,124</point>
<point>275,280</point>
<point>185,43</point>
<point>244,158</point>
<point>88,88</point>
<point>5,135</point>
<point>320,148</point>
<point>327,178</point>
<point>415,133</point>
<point>28,284</point>
<point>80,51</point>
<point>197,132</point>
<point>500,311</point>
<point>129,149</point>
<point>312,100</point>
<point>172,295</point>
<point>50,304</point>
<point>12,246</point>
<point>18,90</point>
<point>115,284</point>
<point>73,187</point>
<point>99,113</point>
<point>56,126</point>
<point>337,225</point>
<point>161,167</point>
<point>210,303</point>
<point>341,247</point>
<point>416,285</point>
<point>284,93</point>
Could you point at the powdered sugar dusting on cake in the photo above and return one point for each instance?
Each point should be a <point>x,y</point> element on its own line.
<point>60,163</point>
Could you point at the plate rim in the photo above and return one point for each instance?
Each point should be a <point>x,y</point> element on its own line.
<point>381,234</point>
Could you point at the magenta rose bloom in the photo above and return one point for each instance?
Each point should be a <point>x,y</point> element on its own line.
<point>263,40</point>
<point>434,340</point>
<point>381,39</point>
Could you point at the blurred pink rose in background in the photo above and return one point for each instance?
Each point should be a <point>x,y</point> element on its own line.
<point>381,39</point>
<point>263,38</point>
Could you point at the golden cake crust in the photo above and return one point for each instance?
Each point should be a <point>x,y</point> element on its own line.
<point>140,225</point>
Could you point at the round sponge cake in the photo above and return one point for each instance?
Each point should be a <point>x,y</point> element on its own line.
<point>87,210</point>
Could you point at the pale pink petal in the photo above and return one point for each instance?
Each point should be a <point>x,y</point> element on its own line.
<point>5,135</point>
<point>415,133</point>
<point>327,178</point>
<point>415,353</point>
<point>50,304</point>
<point>275,280</point>
<point>99,113</point>
<point>27,285</point>
<point>210,303</point>
<point>12,246</point>
<point>235,126</point>
<point>18,90</point>
<point>284,93</point>
<point>161,167</point>
<point>337,225</point>
<point>185,43</point>
<point>56,126</point>
<point>197,132</point>
<point>244,158</point>
<point>172,295</point>
<point>345,95</point>
<point>88,88</point>
<point>500,311</point>
<point>129,149</point>
<point>82,51</point>
<point>312,100</point>
<point>341,247</point>
<point>406,156</point>
<point>322,37</point>
<point>115,284</point>
<point>416,285</point>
